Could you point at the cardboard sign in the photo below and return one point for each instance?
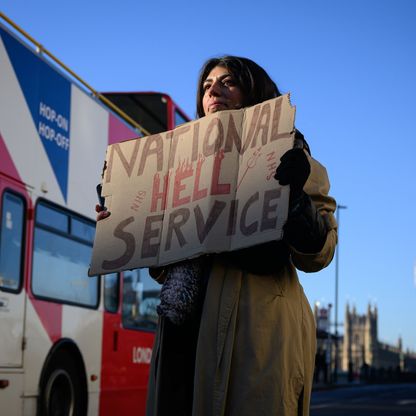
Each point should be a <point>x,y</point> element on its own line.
<point>205,187</point>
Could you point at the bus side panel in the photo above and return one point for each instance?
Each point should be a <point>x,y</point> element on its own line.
<point>118,131</point>
<point>86,327</point>
<point>125,371</point>
<point>11,401</point>
<point>37,100</point>
<point>55,136</point>
<point>12,303</point>
<point>123,379</point>
<point>89,139</point>
<point>37,347</point>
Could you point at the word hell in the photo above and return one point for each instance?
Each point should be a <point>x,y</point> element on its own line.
<point>182,195</point>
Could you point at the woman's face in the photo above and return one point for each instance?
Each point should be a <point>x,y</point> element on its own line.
<point>221,91</point>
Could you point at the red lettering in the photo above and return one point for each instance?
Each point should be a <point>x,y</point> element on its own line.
<point>199,193</point>
<point>216,187</point>
<point>184,170</point>
<point>159,194</point>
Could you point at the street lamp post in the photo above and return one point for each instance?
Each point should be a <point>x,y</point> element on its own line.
<point>336,296</point>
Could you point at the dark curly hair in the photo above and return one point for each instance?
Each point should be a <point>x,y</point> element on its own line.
<point>253,80</point>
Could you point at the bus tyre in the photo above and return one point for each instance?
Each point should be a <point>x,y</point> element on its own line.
<point>63,388</point>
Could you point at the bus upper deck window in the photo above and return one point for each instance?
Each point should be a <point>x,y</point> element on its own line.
<point>179,118</point>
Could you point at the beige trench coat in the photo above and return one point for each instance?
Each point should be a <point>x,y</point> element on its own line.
<point>257,340</point>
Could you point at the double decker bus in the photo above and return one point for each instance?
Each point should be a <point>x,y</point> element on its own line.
<point>69,344</point>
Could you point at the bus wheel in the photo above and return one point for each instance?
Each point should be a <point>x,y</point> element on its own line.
<point>62,392</point>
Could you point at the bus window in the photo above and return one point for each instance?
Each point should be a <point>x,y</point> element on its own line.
<point>149,110</point>
<point>82,229</point>
<point>179,118</point>
<point>111,292</point>
<point>140,299</point>
<point>52,218</point>
<point>11,242</point>
<point>61,258</point>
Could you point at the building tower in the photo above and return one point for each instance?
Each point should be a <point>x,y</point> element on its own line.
<point>371,337</point>
<point>346,346</point>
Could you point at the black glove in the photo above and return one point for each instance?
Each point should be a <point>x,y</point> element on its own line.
<point>294,170</point>
<point>305,228</point>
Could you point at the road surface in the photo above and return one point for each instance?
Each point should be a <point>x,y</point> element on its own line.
<point>368,400</point>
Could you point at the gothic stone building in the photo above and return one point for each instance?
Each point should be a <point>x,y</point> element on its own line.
<point>361,347</point>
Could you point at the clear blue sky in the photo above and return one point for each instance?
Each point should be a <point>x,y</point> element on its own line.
<point>350,67</point>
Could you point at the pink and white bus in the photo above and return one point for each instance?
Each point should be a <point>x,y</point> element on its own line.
<point>69,344</point>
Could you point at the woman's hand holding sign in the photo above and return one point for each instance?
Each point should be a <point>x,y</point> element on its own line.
<point>100,208</point>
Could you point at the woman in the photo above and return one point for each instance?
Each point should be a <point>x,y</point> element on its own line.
<point>248,348</point>
<point>245,344</point>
